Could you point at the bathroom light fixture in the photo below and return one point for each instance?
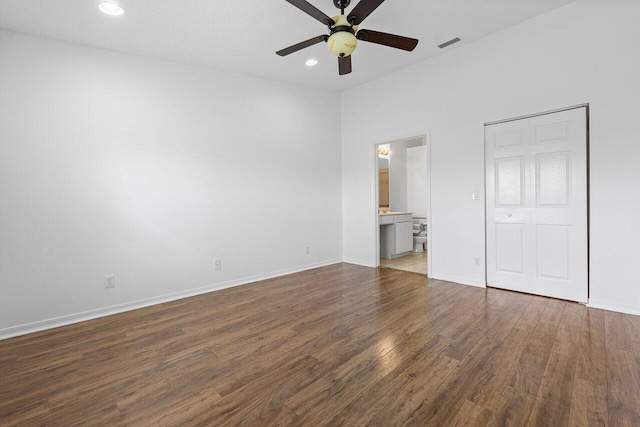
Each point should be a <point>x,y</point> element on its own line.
<point>311,62</point>
<point>383,152</point>
<point>110,8</point>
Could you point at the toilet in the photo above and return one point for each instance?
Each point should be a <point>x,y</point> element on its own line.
<point>419,234</point>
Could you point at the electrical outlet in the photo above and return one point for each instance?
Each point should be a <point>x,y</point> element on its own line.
<point>307,250</point>
<point>109,281</point>
<point>217,264</point>
<point>476,261</point>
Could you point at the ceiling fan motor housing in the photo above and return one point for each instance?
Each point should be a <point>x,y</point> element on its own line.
<point>341,4</point>
<point>342,41</point>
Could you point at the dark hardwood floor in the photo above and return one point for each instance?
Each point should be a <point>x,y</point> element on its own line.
<point>339,345</point>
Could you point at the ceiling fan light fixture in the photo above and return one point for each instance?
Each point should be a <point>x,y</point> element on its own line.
<point>110,8</point>
<point>342,43</point>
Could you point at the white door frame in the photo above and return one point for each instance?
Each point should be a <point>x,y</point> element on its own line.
<point>588,178</point>
<point>426,136</point>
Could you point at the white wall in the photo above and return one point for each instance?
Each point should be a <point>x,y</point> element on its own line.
<point>146,169</point>
<point>585,52</point>
<point>417,179</point>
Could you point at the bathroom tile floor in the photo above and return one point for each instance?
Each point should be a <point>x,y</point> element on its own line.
<point>415,262</point>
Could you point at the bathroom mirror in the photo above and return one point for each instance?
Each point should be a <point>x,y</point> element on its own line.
<point>383,185</point>
<point>383,176</point>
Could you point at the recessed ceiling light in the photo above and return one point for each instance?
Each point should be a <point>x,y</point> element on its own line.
<point>311,62</point>
<point>110,8</point>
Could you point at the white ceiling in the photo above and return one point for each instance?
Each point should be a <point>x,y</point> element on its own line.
<point>243,36</point>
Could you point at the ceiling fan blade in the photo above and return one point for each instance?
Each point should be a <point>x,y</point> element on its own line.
<point>391,40</point>
<point>362,10</point>
<point>344,65</point>
<point>301,45</point>
<point>312,11</point>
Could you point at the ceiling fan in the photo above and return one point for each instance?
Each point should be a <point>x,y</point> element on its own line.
<point>344,32</point>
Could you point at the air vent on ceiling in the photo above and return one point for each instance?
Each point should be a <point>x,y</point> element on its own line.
<point>449,43</point>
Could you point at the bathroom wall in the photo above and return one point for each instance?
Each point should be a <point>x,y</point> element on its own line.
<point>149,170</point>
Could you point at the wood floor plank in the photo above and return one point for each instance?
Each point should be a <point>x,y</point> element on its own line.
<point>269,393</point>
<point>514,408</point>
<point>589,401</point>
<point>532,314</point>
<point>491,314</point>
<point>396,396</point>
<point>617,331</point>
<point>489,388</point>
<point>633,325</point>
<point>327,400</point>
<point>588,404</point>
<point>568,335</point>
<point>591,363</point>
<point>168,385</point>
<point>533,359</point>
<point>472,414</point>
<point>474,372</point>
<point>180,412</point>
<point>337,345</point>
<point>623,385</point>
<point>327,396</point>
<point>469,308</point>
<point>553,402</point>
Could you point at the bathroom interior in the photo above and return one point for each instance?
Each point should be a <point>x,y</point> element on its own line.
<point>403,204</point>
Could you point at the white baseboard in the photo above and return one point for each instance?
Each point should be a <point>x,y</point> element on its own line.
<point>460,280</point>
<point>358,262</point>
<point>56,322</point>
<point>610,306</point>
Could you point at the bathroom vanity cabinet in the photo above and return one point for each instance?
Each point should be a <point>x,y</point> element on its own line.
<point>396,235</point>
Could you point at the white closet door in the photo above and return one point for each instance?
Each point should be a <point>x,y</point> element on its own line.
<point>536,173</point>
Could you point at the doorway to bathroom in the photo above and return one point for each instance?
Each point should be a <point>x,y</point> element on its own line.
<point>403,204</point>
